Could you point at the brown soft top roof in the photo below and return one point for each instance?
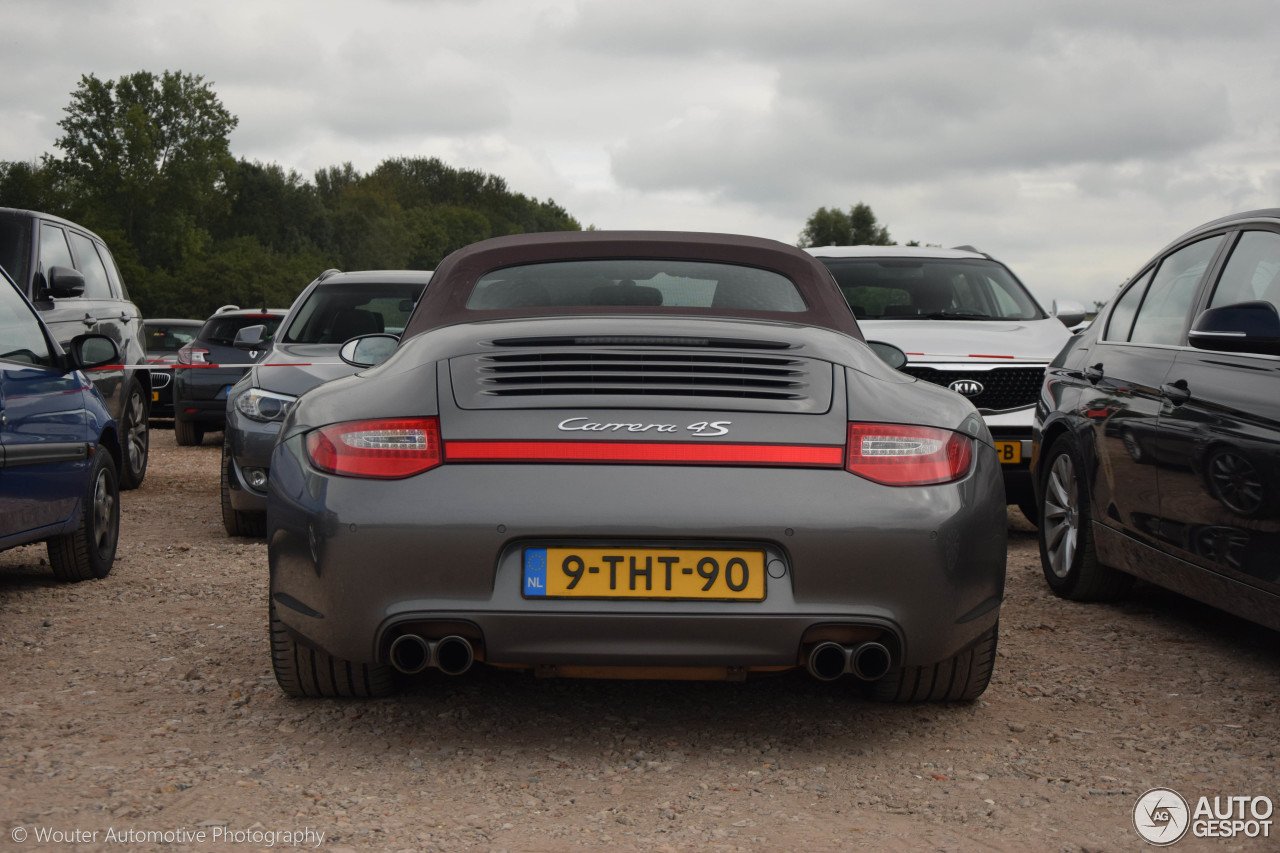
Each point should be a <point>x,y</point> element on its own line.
<point>444,303</point>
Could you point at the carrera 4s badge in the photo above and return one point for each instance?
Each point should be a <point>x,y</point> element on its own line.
<point>701,428</point>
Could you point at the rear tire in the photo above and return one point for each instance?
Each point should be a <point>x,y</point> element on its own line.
<point>302,671</point>
<point>236,522</point>
<point>89,550</point>
<point>135,437</point>
<point>187,434</point>
<point>1067,552</point>
<point>960,679</point>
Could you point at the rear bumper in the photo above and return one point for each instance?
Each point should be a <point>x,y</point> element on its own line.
<point>200,395</point>
<point>355,562</point>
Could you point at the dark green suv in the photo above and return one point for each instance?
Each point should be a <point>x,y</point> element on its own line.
<point>69,275</point>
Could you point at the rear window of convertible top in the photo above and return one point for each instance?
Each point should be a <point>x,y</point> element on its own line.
<point>642,283</point>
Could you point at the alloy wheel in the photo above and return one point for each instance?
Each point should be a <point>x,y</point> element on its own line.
<point>104,503</point>
<point>1061,515</point>
<point>137,437</point>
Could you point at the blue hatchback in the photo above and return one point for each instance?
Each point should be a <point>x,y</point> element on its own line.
<point>59,448</point>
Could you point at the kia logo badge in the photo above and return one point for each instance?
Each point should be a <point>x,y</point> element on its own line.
<point>967,387</point>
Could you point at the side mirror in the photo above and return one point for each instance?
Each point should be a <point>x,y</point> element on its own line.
<point>1242,327</point>
<point>89,351</point>
<point>368,350</point>
<point>889,354</point>
<point>250,338</point>
<point>1069,312</point>
<point>65,281</point>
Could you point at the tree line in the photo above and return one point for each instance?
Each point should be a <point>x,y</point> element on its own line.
<point>145,161</point>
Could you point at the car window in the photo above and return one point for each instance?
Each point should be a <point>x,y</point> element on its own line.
<point>14,252</point>
<point>53,249</point>
<point>1163,312</point>
<point>1126,308</point>
<point>1252,273</point>
<point>221,329</point>
<point>117,283</point>
<point>96,285</point>
<point>164,338</point>
<point>336,312</point>
<point>895,288</point>
<point>21,338</point>
<point>610,284</point>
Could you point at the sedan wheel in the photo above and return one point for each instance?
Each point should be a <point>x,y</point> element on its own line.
<point>302,671</point>
<point>90,550</point>
<point>1067,553</point>
<point>134,432</point>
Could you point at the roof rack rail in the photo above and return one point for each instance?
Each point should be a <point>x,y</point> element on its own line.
<point>327,273</point>
<point>967,248</point>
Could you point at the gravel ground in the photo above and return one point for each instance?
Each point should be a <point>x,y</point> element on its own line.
<point>144,704</point>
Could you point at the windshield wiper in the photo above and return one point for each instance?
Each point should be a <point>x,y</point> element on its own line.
<point>955,315</point>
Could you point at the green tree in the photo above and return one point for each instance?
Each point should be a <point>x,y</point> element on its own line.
<point>30,186</point>
<point>148,156</point>
<point>835,227</point>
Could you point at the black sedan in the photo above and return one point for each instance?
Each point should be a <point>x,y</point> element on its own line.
<point>163,340</point>
<point>1157,446</point>
<point>636,455</point>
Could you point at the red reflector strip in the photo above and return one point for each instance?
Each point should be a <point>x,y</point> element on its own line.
<point>788,455</point>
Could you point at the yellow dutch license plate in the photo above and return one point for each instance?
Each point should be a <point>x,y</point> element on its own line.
<point>668,573</point>
<point>1010,452</point>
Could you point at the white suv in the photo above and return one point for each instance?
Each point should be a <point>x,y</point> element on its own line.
<point>966,322</point>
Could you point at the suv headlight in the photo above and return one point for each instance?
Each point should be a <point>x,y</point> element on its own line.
<point>265,406</point>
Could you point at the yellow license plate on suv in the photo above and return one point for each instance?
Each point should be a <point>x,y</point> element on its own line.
<point>1010,452</point>
<point>670,573</point>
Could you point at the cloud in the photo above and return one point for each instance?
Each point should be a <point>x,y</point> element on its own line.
<point>1070,138</point>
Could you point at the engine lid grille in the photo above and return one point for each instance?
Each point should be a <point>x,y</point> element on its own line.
<point>681,378</point>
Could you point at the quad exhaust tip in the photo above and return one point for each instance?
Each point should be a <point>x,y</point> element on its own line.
<point>452,655</point>
<point>869,661</point>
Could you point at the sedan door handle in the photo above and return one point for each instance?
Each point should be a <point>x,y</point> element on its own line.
<point>88,320</point>
<point>1093,373</point>
<point>1177,392</point>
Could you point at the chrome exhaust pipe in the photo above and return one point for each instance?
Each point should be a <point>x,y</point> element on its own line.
<point>452,655</point>
<point>411,654</point>
<point>870,661</point>
<point>828,661</point>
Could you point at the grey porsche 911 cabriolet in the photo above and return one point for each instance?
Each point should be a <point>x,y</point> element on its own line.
<point>634,455</point>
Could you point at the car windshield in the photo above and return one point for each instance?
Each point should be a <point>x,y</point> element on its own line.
<point>165,338</point>
<point>933,288</point>
<point>221,329</point>
<point>337,312</point>
<point>645,284</point>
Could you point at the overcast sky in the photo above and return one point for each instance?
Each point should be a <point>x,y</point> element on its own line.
<point>1071,140</point>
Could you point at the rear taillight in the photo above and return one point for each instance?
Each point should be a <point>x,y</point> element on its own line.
<point>189,354</point>
<point>382,449</point>
<point>907,455</point>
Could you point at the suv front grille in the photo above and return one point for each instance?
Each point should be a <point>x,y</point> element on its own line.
<point>1003,388</point>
